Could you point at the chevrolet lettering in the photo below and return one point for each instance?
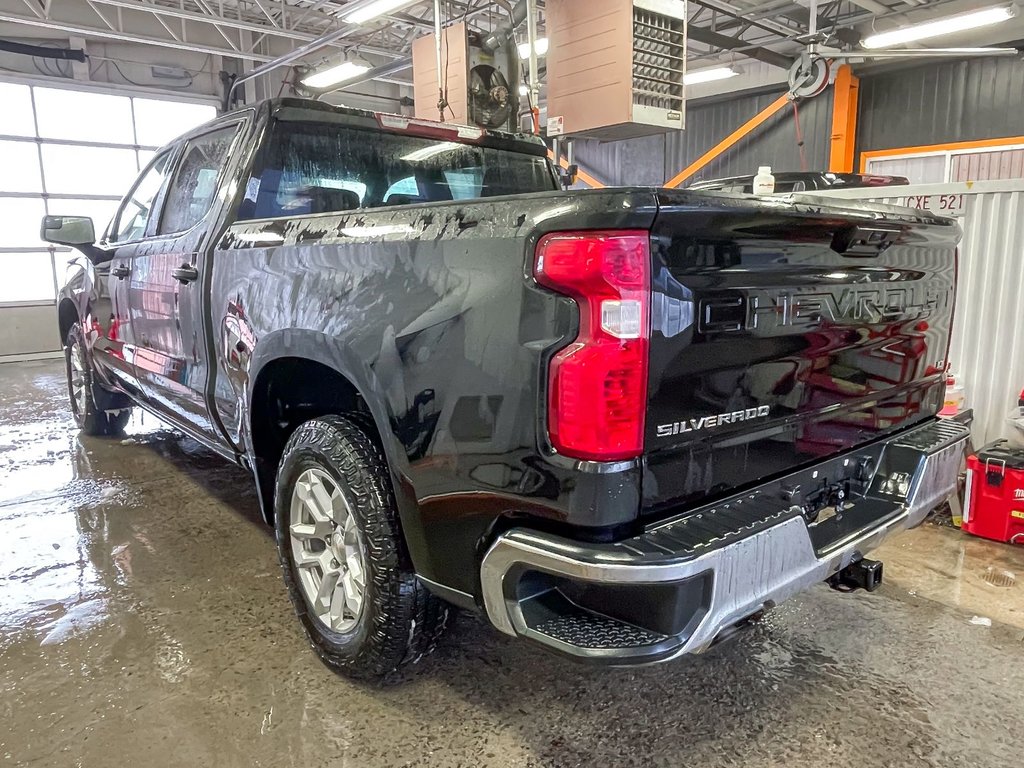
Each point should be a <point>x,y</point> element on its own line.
<point>764,310</point>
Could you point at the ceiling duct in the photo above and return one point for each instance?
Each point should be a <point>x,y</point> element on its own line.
<point>503,32</point>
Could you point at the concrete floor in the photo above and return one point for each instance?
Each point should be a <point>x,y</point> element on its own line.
<point>143,621</point>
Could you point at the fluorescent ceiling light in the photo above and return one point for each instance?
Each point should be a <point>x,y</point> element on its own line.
<point>363,12</point>
<point>334,75</point>
<point>945,26</point>
<point>709,75</point>
<point>541,46</point>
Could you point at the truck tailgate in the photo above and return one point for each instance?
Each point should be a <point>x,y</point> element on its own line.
<point>785,331</point>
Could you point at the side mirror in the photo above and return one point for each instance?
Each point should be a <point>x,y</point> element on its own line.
<point>67,230</point>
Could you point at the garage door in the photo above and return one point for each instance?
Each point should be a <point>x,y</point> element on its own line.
<point>66,151</point>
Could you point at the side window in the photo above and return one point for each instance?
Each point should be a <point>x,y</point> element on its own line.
<point>192,191</point>
<point>133,215</point>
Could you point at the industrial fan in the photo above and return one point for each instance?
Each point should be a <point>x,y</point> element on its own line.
<point>490,105</point>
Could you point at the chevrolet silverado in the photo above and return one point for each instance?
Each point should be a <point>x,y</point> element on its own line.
<point>618,423</point>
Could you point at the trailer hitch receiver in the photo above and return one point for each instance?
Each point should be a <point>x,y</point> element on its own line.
<point>863,574</point>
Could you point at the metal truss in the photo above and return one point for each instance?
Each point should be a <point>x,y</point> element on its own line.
<point>251,30</point>
<point>257,31</point>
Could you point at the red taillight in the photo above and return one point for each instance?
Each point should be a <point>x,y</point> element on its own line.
<point>597,386</point>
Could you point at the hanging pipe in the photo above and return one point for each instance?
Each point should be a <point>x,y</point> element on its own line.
<point>531,36</point>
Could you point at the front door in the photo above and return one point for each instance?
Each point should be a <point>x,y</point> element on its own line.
<point>114,344</point>
<point>166,288</point>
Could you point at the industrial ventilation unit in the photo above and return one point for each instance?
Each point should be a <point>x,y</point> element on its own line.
<point>479,86</point>
<point>615,68</point>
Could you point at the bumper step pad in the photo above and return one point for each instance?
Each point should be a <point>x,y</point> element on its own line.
<point>582,629</point>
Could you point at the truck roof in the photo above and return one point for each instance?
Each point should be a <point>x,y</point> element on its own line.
<point>293,108</point>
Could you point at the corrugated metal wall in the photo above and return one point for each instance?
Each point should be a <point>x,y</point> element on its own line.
<point>978,166</point>
<point>988,337</point>
<point>620,163</point>
<point>934,103</point>
<point>655,159</point>
<point>988,333</point>
<point>941,101</point>
<point>774,143</point>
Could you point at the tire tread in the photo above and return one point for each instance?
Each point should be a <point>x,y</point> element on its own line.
<point>408,620</point>
<point>105,413</point>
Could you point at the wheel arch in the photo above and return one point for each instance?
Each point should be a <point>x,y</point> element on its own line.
<point>298,375</point>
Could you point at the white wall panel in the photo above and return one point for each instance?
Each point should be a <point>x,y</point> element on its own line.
<point>28,331</point>
<point>987,350</point>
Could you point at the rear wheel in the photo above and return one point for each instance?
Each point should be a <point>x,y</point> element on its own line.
<point>96,410</point>
<point>344,559</point>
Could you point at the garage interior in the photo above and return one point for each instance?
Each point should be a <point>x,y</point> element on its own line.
<point>142,620</point>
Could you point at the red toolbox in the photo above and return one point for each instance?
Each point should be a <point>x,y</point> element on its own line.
<point>994,503</point>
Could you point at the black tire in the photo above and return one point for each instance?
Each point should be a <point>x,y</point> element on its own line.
<point>98,411</point>
<point>400,621</point>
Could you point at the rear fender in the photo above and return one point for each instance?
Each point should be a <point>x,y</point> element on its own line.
<point>335,354</point>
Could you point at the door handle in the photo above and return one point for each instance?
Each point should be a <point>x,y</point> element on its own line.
<point>120,271</point>
<point>186,273</point>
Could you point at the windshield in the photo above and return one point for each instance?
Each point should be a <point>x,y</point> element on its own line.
<point>311,167</point>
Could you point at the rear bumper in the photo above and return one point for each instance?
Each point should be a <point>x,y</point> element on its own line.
<point>686,582</point>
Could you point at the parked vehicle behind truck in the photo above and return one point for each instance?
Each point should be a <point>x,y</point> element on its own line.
<point>619,423</point>
<point>800,181</point>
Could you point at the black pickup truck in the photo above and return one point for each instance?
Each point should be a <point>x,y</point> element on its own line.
<point>620,423</point>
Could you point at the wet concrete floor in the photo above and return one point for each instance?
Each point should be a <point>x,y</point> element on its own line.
<point>143,622</point>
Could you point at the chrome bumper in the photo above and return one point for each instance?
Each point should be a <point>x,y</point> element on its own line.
<point>732,560</point>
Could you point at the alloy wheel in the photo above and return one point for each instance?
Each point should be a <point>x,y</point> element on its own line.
<point>327,550</point>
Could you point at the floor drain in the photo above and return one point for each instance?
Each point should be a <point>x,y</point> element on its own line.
<point>997,577</point>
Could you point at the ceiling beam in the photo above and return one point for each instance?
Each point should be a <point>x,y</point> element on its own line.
<point>874,6</point>
<point>710,37</point>
<point>743,14</point>
<point>128,37</point>
<point>228,23</point>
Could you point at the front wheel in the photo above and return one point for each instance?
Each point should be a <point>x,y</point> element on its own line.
<point>94,408</point>
<point>344,558</point>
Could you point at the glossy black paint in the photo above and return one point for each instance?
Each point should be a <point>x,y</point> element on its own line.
<point>806,347</point>
<point>431,314</point>
<point>429,311</point>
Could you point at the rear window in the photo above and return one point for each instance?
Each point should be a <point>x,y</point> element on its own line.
<point>323,168</point>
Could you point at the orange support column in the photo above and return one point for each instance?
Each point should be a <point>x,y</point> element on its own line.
<point>844,121</point>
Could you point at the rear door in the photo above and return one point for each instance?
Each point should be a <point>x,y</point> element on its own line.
<point>783,333</point>
<point>166,291</point>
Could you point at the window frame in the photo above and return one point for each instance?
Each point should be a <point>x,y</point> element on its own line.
<point>237,124</point>
<point>115,223</point>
